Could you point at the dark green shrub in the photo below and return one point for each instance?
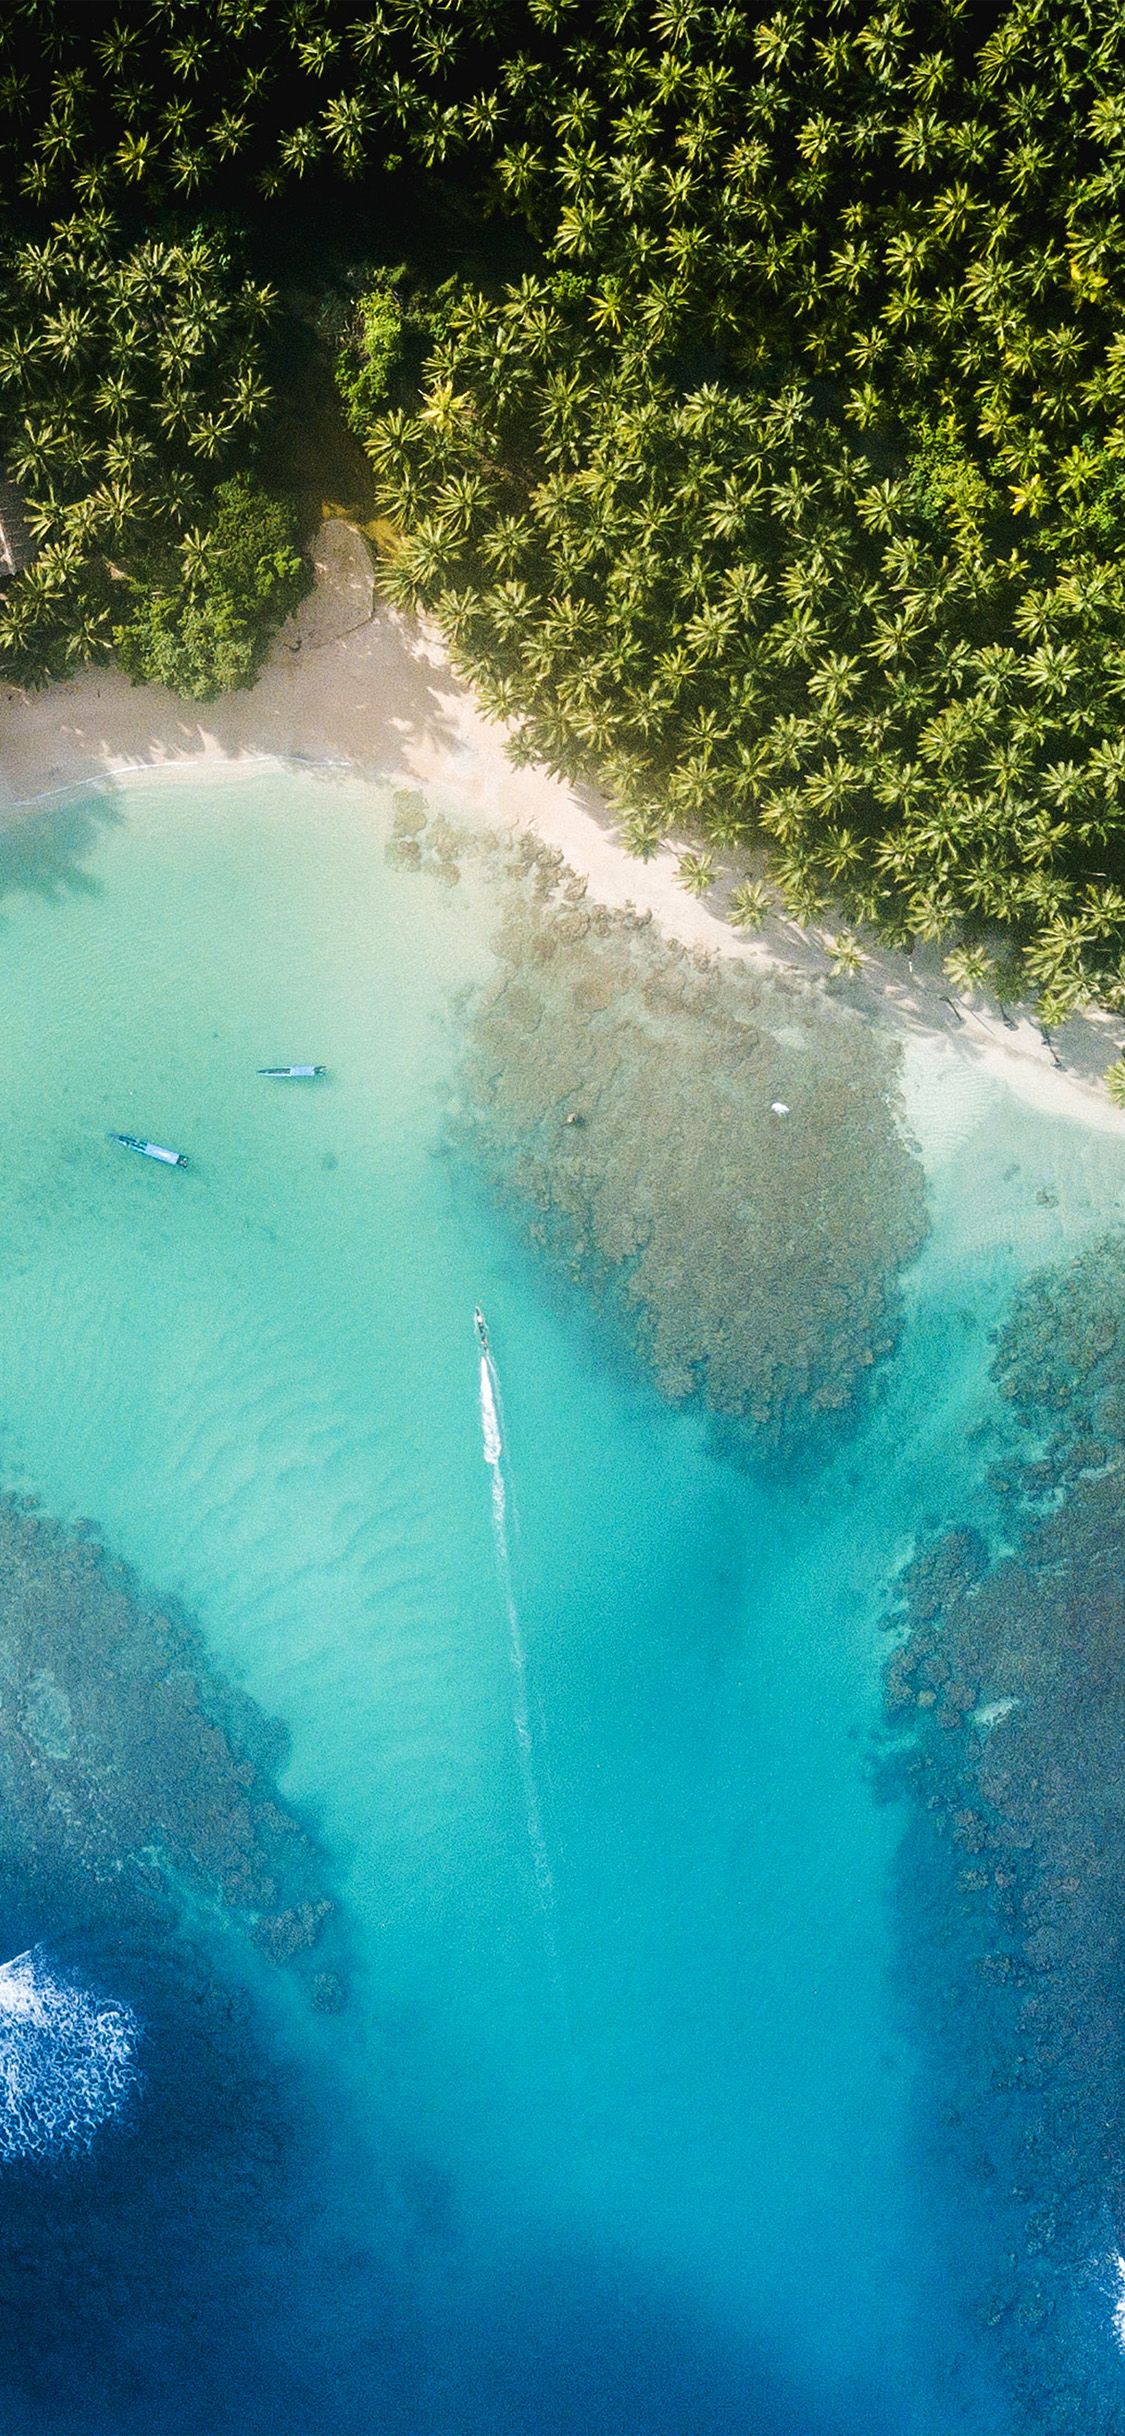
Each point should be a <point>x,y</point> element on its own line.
<point>370,353</point>
<point>201,621</point>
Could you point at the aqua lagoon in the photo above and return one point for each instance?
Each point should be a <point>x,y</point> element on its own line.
<point>453,1781</point>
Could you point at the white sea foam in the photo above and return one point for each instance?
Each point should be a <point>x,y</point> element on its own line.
<point>66,2061</point>
<point>1117,2265</point>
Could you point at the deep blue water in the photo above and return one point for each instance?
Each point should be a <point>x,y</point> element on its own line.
<point>617,2131</point>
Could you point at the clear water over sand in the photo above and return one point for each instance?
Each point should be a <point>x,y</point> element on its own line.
<point>616,2131</point>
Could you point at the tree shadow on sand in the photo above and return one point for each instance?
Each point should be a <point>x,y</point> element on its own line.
<point>348,683</point>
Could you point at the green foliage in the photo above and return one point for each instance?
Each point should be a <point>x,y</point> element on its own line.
<point>201,101</point>
<point>789,498</point>
<point>970,968</point>
<point>946,486</point>
<point>132,372</point>
<point>846,956</point>
<point>129,378</point>
<point>749,905</point>
<point>923,213</point>
<point>708,597</point>
<point>201,620</point>
<point>1115,1082</point>
<point>370,352</point>
<point>643,831</point>
<point>785,493</point>
<point>696,872</point>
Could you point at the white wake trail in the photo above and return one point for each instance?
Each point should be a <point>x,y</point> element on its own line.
<point>492,1441</point>
<point>490,1420</point>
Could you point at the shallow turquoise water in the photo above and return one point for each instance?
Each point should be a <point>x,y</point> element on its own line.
<point>626,2144</point>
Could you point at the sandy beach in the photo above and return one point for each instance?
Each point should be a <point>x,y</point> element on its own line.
<point>351,682</point>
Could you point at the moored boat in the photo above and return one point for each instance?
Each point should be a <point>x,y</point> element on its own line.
<point>150,1150</point>
<point>292,1074</point>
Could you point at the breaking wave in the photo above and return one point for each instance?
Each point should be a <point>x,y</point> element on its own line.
<point>66,2061</point>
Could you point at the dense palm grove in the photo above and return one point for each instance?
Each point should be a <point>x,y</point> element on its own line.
<point>782,490</point>
<point>128,376</point>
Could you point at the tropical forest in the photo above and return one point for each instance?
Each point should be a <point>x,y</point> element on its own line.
<point>742,394</point>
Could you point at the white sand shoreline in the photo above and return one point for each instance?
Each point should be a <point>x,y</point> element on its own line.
<point>354,687</point>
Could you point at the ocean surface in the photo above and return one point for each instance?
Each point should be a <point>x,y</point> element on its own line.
<point>609,2124</point>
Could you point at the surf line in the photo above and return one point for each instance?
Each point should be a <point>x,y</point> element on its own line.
<point>492,1443</point>
<point>66,2061</point>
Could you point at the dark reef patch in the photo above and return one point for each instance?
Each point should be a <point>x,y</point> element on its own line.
<point>715,1155</point>
<point>170,2279</point>
<point>129,1770</point>
<point>1010,1678</point>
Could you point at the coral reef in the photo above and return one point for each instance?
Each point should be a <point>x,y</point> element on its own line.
<point>720,1156</point>
<point>1009,1673</point>
<point>146,1855</point>
<point>124,1756</point>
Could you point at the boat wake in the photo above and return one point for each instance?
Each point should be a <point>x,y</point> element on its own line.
<point>66,2061</point>
<point>492,1441</point>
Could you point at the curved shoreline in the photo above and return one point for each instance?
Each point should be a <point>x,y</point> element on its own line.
<point>351,685</point>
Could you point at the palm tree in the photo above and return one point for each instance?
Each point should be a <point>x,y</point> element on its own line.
<point>969,968</point>
<point>696,872</point>
<point>846,956</point>
<point>643,830</point>
<point>749,905</point>
<point>1114,1079</point>
<point>134,156</point>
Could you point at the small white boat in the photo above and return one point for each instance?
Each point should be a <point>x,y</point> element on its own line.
<point>482,1332</point>
<point>292,1074</point>
<point>150,1150</point>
